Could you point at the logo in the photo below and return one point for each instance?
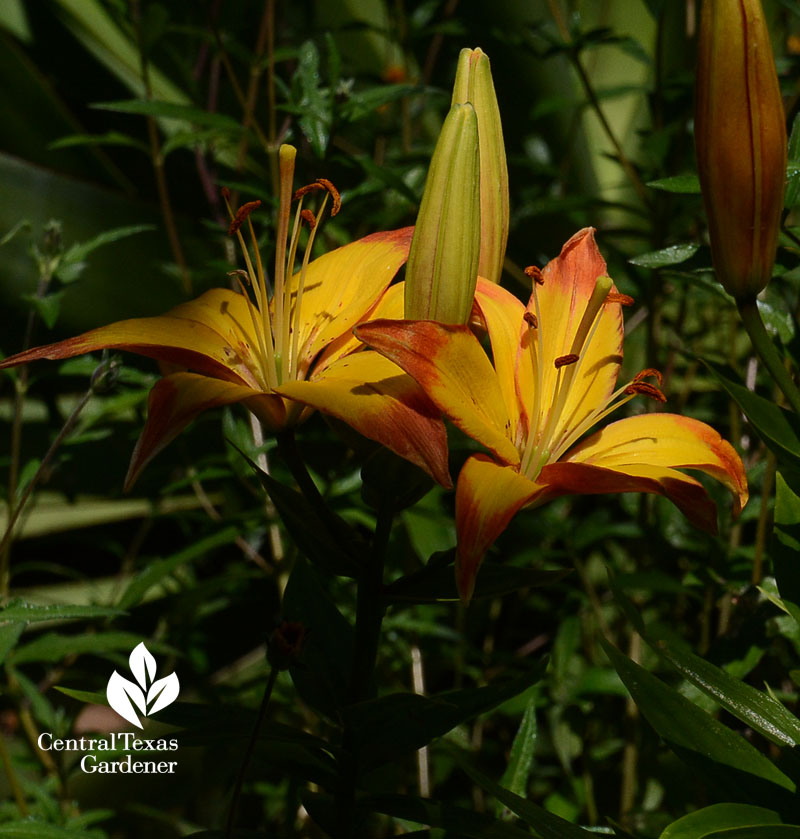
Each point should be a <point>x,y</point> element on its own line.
<point>147,694</point>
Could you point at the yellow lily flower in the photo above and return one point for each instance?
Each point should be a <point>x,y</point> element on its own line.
<point>227,347</point>
<point>556,363</point>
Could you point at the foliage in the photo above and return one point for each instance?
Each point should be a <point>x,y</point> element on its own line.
<point>616,670</point>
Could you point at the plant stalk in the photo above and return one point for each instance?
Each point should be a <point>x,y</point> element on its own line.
<point>762,343</point>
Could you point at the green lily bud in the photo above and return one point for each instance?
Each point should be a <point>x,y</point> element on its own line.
<point>740,139</point>
<point>474,84</point>
<point>442,269</point>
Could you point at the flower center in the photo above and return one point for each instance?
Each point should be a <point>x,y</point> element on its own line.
<point>276,320</point>
<point>550,430</point>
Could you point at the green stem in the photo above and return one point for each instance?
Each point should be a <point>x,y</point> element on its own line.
<point>13,781</point>
<point>762,343</point>
<point>248,755</point>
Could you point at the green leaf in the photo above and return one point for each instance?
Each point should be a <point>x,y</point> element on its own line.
<point>157,569</point>
<point>48,307</point>
<point>688,184</point>
<point>756,708</point>
<point>19,611</point>
<point>673,255</point>
<point>546,825</point>
<point>30,829</point>
<point>322,676</point>
<point>778,428</point>
<point>314,104</point>
<point>366,102</point>
<point>9,635</point>
<point>172,110</point>
<point>313,535</point>
<point>726,756</point>
<point>90,697</point>
<point>515,778</point>
<point>383,729</point>
<point>79,251</point>
<point>785,545</point>
<point>458,821</point>
<point>110,138</point>
<point>55,647</point>
<point>703,822</point>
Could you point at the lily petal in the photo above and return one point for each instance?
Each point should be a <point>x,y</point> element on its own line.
<point>451,367</point>
<point>503,315</point>
<point>568,283</point>
<point>665,440</point>
<point>342,285</point>
<point>371,394</point>
<point>488,496</point>
<point>186,336</point>
<point>585,479</point>
<point>174,402</point>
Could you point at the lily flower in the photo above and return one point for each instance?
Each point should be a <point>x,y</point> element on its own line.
<point>554,377</point>
<point>227,347</point>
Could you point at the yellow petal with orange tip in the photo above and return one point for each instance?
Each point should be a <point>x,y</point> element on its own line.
<point>488,496</point>
<point>342,285</point>
<point>688,494</point>
<point>664,441</point>
<point>568,282</point>
<point>173,337</point>
<point>390,305</point>
<point>174,402</point>
<point>371,394</point>
<point>451,367</point>
<point>504,316</point>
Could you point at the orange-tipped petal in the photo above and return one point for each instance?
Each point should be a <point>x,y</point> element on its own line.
<point>375,397</point>
<point>452,368</point>
<point>342,285</point>
<point>665,441</point>
<point>504,316</point>
<point>488,496</point>
<point>568,282</point>
<point>193,335</point>
<point>173,403</point>
<point>686,493</point>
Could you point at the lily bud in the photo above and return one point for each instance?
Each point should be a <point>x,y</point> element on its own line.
<point>474,84</point>
<point>442,269</point>
<point>740,139</point>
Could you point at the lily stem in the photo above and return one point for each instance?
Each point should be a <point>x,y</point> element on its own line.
<point>248,755</point>
<point>370,609</point>
<point>762,343</point>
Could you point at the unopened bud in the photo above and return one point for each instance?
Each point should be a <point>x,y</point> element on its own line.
<point>442,269</point>
<point>474,84</point>
<point>740,139</point>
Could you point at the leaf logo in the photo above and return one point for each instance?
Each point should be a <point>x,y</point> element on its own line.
<point>148,696</point>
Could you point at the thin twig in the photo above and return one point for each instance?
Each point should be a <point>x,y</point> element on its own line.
<point>158,160</point>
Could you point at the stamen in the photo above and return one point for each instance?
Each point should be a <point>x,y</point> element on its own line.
<point>286,157</point>
<point>535,274</point>
<point>319,184</point>
<point>530,319</point>
<point>622,299</point>
<point>563,360</point>
<point>647,373</point>
<point>241,214</point>
<point>309,218</point>
<point>646,389</point>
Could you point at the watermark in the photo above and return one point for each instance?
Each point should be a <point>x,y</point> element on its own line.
<point>146,695</point>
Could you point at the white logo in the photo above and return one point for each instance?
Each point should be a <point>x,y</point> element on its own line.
<point>148,696</point>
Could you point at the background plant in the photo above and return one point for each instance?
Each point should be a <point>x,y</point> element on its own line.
<point>126,118</point>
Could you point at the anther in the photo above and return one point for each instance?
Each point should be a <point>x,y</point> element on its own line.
<point>226,193</point>
<point>240,274</point>
<point>622,299</point>
<point>647,373</point>
<point>241,214</point>
<point>535,274</point>
<point>645,389</point>
<point>563,360</point>
<point>321,184</point>
<point>309,218</point>
<point>530,319</point>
